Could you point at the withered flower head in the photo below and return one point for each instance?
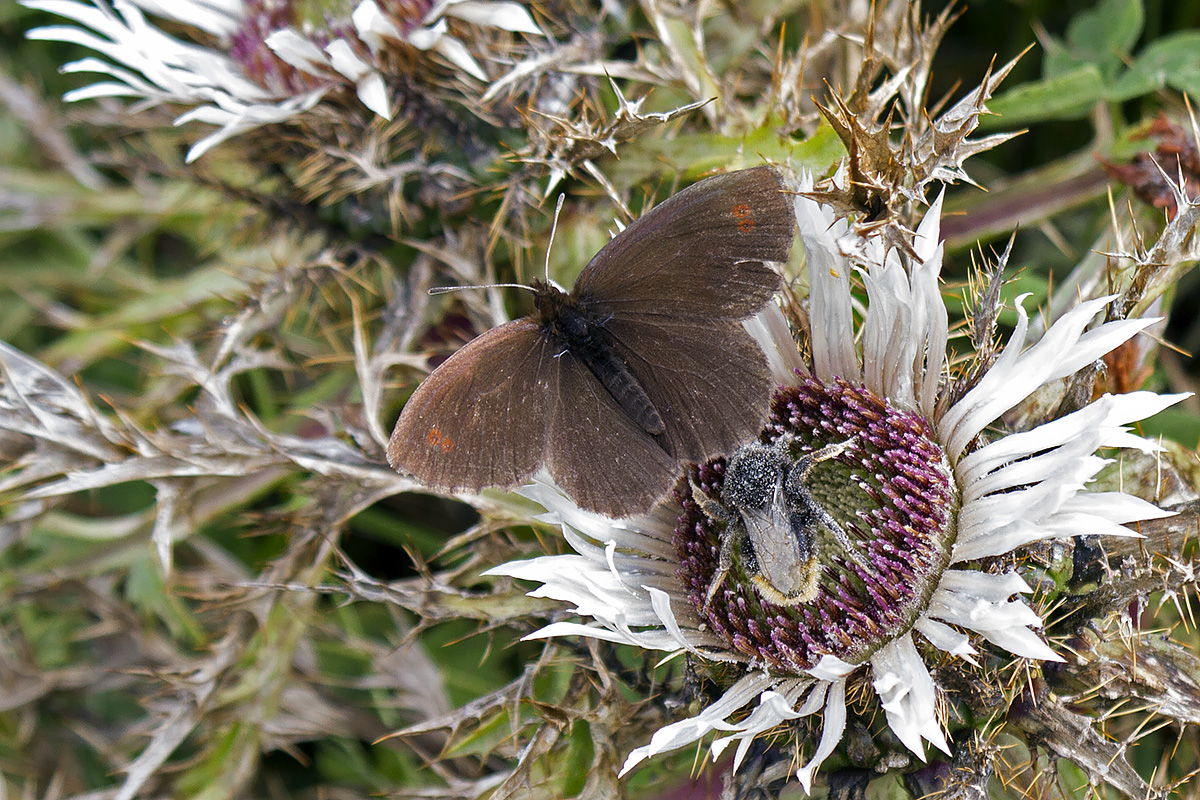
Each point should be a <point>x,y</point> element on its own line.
<point>248,63</point>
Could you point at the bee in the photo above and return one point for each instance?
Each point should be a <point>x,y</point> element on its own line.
<point>772,522</point>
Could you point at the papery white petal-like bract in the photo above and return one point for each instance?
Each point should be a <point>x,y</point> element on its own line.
<point>713,718</point>
<point>504,15</point>
<point>833,725</point>
<point>906,691</point>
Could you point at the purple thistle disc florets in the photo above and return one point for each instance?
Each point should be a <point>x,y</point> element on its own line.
<point>891,492</point>
<point>248,47</point>
<point>406,14</point>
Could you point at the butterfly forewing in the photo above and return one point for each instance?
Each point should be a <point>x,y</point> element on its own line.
<point>697,254</point>
<point>482,417</point>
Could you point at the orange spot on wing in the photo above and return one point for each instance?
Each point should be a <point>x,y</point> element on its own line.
<point>439,441</point>
<point>744,215</point>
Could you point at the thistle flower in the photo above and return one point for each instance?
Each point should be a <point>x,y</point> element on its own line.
<point>923,489</point>
<point>257,62</point>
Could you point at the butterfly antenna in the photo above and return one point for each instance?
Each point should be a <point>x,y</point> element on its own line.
<point>445,289</point>
<point>553,228</point>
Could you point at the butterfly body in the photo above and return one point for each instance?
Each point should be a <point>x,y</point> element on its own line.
<point>580,331</point>
<point>642,366</point>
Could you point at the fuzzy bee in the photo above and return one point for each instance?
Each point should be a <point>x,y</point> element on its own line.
<point>772,522</point>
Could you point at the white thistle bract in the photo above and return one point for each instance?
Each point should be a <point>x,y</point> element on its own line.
<point>926,491</point>
<point>257,62</point>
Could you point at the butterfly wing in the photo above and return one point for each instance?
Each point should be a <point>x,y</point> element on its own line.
<point>698,253</point>
<point>482,417</point>
<point>670,288</point>
<point>670,291</point>
<point>708,379</point>
<point>598,454</point>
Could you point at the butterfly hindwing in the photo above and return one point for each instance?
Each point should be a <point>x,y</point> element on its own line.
<point>599,455</point>
<point>708,379</point>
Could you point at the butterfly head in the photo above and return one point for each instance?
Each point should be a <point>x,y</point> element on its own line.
<point>550,302</point>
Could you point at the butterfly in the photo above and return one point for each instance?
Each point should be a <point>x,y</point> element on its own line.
<point>643,366</point>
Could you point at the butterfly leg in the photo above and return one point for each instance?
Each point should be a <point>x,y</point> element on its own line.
<point>732,535</point>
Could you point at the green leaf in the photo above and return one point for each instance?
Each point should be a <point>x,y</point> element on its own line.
<point>1067,96</point>
<point>1070,777</point>
<point>552,682</point>
<point>1160,64</point>
<point>1177,424</point>
<point>1108,31</point>
<point>1060,59</point>
<point>887,787</point>
<point>484,738</point>
<point>388,528</point>
<point>578,759</point>
<point>47,636</point>
<point>1186,80</point>
<point>1103,36</point>
<point>695,155</point>
<point>470,664</point>
<point>375,770</point>
<point>145,590</point>
<point>680,40</point>
<point>209,777</point>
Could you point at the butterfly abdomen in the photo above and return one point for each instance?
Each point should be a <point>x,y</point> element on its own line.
<point>614,374</point>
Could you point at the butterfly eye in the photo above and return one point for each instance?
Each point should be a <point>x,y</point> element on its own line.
<point>744,215</point>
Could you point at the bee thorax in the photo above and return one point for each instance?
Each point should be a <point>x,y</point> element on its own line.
<point>755,473</point>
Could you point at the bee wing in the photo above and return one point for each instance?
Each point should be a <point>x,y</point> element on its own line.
<point>781,557</point>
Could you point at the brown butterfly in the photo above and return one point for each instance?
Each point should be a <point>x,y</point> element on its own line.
<point>643,366</point>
